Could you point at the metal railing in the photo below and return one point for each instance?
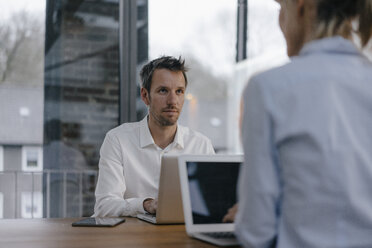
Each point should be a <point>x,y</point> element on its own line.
<point>65,193</point>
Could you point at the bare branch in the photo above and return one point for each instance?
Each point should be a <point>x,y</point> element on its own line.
<point>20,41</point>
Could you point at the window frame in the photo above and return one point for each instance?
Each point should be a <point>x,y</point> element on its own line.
<point>1,158</point>
<point>1,205</point>
<point>39,166</point>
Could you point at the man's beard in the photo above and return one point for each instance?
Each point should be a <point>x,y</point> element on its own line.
<point>163,121</point>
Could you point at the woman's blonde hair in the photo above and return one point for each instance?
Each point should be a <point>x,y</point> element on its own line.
<point>335,17</point>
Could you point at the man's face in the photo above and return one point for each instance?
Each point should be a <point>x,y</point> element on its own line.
<point>166,96</point>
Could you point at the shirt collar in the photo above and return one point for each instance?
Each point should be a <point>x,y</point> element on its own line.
<point>146,137</point>
<point>178,139</point>
<point>336,44</point>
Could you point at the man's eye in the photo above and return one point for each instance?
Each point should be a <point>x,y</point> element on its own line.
<point>179,91</point>
<point>163,91</point>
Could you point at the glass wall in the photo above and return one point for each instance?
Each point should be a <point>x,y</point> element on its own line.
<point>81,99</point>
<point>266,49</point>
<point>64,94</point>
<point>61,86</point>
<point>69,73</point>
<point>202,32</point>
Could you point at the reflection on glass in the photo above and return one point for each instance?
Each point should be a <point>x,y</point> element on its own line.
<point>81,98</point>
<point>212,187</point>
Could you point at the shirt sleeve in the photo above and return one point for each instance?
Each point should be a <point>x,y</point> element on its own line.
<point>209,148</point>
<point>259,187</point>
<point>111,184</point>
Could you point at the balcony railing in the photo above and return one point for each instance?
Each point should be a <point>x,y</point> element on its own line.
<point>48,193</point>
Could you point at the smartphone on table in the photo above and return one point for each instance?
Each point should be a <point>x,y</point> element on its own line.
<point>99,222</point>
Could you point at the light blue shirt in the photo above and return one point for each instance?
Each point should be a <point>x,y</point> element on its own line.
<point>307,135</point>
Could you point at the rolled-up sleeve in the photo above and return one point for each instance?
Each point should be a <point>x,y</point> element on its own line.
<point>209,148</point>
<point>111,184</point>
<point>259,184</point>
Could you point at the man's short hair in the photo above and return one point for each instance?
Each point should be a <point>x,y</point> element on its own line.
<point>164,62</point>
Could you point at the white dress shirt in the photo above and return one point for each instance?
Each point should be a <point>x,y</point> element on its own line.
<point>129,166</point>
<point>307,134</point>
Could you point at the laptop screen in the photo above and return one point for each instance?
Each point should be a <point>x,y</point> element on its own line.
<point>212,187</point>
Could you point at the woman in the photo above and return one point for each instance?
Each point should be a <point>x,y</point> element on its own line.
<point>307,134</point>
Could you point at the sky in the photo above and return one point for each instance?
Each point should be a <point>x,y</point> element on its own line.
<point>9,6</point>
<point>207,30</point>
<point>193,27</point>
<point>204,29</point>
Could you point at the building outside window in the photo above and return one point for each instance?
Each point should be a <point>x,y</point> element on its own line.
<point>32,204</point>
<point>60,90</point>
<point>32,158</point>
<point>21,100</point>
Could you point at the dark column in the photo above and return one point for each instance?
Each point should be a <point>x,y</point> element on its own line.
<point>242,30</point>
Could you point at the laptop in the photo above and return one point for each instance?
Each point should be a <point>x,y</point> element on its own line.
<point>169,209</point>
<point>208,186</point>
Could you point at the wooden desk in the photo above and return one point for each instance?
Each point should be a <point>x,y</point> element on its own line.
<point>50,233</point>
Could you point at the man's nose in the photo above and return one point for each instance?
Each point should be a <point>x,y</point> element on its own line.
<point>172,98</point>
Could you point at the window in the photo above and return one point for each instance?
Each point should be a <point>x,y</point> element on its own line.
<point>1,158</point>
<point>66,63</point>
<point>206,40</point>
<point>266,49</point>
<point>32,158</point>
<point>32,205</point>
<point>1,205</point>
<point>81,82</point>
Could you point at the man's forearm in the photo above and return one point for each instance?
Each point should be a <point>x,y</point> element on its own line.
<point>114,206</point>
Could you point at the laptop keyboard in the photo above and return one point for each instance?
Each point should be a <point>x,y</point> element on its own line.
<point>220,235</point>
<point>152,216</point>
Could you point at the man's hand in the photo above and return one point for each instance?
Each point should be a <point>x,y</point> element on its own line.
<point>230,216</point>
<point>150,205</point>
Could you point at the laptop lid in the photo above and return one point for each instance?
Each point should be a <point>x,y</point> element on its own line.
<point>208,186</point>
<point>169,208</point>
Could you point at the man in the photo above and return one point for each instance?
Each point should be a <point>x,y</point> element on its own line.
<point>129,166</point>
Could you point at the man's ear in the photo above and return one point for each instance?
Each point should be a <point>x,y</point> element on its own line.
<point>145,96</point>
